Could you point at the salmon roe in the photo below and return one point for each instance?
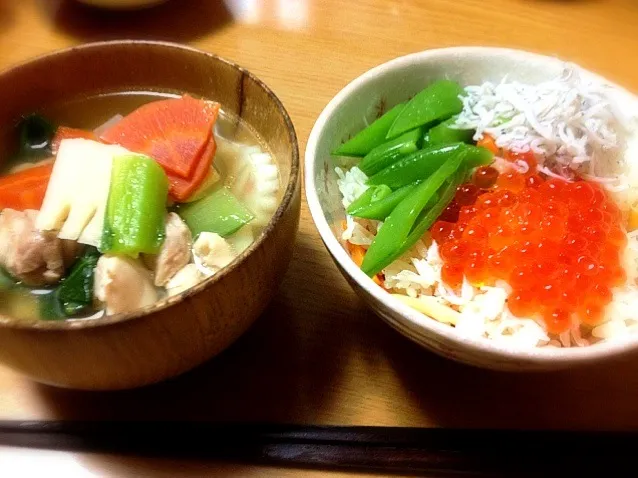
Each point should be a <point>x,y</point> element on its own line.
<point>557,244</point>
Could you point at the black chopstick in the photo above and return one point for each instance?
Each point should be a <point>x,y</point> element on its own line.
<point>435,451</point>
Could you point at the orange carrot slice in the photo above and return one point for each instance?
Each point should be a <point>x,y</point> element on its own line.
<point>25,189</point>
<point>356,252</point>
<point>174,132</point>
<point>181,189</point>
<point>64,132</point>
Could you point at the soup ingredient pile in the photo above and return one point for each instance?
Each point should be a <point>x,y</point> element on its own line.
<point>111,220</point>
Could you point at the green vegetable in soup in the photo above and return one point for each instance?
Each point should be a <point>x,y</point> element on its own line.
<point>371,195</point>
<point>439,101</point>
<point>75,294</point>
<point>136,207</point>
<point>398,225</point>
<point>51,307</point>
<point>6,281</point>
<point>77,288</point>
<point>387,153</point>
<point>421,164</point>
<point>220,212</point>
<point>36,134</point>
<point>371,136</point>
<point>445,133</point>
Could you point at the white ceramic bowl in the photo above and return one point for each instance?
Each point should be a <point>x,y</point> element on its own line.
<point>389,84</point>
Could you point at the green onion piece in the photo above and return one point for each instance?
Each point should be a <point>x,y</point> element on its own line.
<point>397,226</point>
<point>219,212</point>
<point>439,101</point>
<point>371,136</point>
<point>136,208</point>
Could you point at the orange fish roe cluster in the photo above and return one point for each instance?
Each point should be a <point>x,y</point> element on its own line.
<point>557,244</point>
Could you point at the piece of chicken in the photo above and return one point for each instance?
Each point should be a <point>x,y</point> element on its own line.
<point>123,284</point>
<point>34,257</point>
<point>175,252</point>
<point>185,278</point>
<point>213,251</point>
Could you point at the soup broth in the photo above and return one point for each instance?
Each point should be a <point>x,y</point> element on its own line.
<point>243,183</point>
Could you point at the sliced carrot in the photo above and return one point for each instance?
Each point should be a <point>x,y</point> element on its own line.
<point>488,142</point>
<point>64,132</point>
<point>25,189</point>
<point>356,252</point>
<point>181,189</point>
<point>174,132</point>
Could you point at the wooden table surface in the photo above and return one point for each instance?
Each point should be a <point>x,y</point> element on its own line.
<point>318,355</point>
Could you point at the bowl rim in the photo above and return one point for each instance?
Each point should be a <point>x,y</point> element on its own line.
<point>287,198</point>
<point>409,322</point>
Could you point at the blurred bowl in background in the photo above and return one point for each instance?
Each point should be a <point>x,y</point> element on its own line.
<point>122,4</point>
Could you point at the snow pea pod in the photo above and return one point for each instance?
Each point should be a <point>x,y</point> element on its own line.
<point>428,217</point>
<point>387,153</point>
<point>445,133</point>
<point>371,195</point>
<point>421,164</point>
<point>398,225</point>
<point>379,210</point>
<point>438,101</point>
<point>371,136</point>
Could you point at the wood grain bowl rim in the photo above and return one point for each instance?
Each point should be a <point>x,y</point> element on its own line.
<point>416,326</point>
<point>291,186</point>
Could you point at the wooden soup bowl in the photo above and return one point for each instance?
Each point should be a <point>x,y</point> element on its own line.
<point>164,340</point>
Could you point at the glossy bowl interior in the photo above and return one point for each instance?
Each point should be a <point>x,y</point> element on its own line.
<point>358,104</point>
<point>178,333</point>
